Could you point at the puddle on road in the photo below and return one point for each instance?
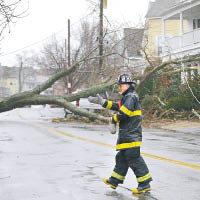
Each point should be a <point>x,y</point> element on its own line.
<point>86,173</point>
<point>4,137</point>
<point>185,151</point>
<point>86,127</point>
<point>191,141</point>
<point>153,139</point>
<point>117,195</point>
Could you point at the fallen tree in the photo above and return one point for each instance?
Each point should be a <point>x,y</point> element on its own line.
<point>163,66</point>
<point>34,97</point>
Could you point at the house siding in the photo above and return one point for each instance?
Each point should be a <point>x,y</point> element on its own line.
<point>12,84</point>
<point>155,30</point>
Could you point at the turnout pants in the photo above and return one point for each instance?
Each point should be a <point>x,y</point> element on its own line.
<point>130,158</point>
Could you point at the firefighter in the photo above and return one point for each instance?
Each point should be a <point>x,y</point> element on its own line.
<point>129,117</point>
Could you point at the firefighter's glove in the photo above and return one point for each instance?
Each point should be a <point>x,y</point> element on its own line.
<point>112,126</point>
<point>98,100</point>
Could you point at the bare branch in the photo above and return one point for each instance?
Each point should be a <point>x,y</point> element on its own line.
<point>9,13</point>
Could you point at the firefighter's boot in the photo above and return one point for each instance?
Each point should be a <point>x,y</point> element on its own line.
<point>141,189</point>
<point>110,183</point>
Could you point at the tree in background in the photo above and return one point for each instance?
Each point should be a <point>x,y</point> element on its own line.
<point>159,81</point>
<point>10,12</point>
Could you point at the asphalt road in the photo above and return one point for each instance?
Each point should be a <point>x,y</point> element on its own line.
<point>41,160</point>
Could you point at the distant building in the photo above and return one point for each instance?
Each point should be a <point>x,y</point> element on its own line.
<point>14,80</point>
<point>4,92</point>
<point>133,50</point>
<point>8,80</point>
<point>133,42</point>
<point>59,88</point>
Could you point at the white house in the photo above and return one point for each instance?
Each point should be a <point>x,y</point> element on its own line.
<point>187,42</point>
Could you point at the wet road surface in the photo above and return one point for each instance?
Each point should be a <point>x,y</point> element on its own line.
<point>41,160</point>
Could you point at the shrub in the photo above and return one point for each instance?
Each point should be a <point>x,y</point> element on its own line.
<point>151,104</point>
<point>179,103</point>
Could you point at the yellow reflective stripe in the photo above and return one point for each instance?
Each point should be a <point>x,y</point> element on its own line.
<point>115,118</point>
<point>109,105</point>
<point>118,176</point>
<point>129,112</point>
<point>144,178</point>
<point>128,145</point>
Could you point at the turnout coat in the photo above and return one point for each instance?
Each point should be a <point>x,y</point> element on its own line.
<point>129,116</point>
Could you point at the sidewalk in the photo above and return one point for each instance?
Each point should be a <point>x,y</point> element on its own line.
<point>183,126</point>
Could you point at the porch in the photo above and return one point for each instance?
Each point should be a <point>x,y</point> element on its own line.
<point>188,40</point>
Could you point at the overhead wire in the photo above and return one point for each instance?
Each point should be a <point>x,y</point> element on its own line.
<point>49,36</point>
<point>53,34</point>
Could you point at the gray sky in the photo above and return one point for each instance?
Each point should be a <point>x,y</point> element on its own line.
<point>46,17</point>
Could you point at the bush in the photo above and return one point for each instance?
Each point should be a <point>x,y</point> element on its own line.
<point>179,103</point>
<point>150,104</point>
<point>147,88</point>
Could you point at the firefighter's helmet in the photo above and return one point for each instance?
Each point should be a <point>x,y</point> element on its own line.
<point>125,79</point>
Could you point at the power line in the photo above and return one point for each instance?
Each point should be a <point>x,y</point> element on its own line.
<point>35,43</point>
<point>26,46</point>
<point>38,42</point>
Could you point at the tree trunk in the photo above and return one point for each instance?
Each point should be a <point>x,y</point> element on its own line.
<point>33,97</point>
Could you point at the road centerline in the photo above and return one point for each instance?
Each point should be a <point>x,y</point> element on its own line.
<point>176,162</point>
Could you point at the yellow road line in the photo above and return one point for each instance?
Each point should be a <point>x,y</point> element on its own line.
<point>193,166</point>
<point>72,136</point>
<point>176,162</point>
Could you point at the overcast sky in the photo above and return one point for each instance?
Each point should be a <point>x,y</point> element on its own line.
<point>46,17</point>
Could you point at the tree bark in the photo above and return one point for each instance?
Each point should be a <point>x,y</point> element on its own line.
<point>58,100</point>
<point>33,97</point>
<point>11,101</point>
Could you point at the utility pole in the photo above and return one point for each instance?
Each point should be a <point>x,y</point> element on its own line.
<point>69,58</point>
<point>66,66</point>
<point>1,76</point>
<point>20,77</point>
<point>101,36</point>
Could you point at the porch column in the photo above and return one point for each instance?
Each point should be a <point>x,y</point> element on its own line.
<point>181,28</point>
<point>181,23</point>
<point>163,35</point>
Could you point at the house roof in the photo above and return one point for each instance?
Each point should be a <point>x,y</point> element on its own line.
<point>157,7</point>
<point>9,72</point>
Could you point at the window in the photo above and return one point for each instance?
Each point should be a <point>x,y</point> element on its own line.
<point>196,23</point>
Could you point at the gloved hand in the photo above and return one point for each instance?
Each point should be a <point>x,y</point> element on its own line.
<point>112,126</point>
<point>98,99</point>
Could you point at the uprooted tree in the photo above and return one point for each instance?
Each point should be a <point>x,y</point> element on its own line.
<point>34,97</point>
<point>172,89</point>
<point>86,50</point>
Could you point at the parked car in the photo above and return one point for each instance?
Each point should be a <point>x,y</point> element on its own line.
<point>53,106</point>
